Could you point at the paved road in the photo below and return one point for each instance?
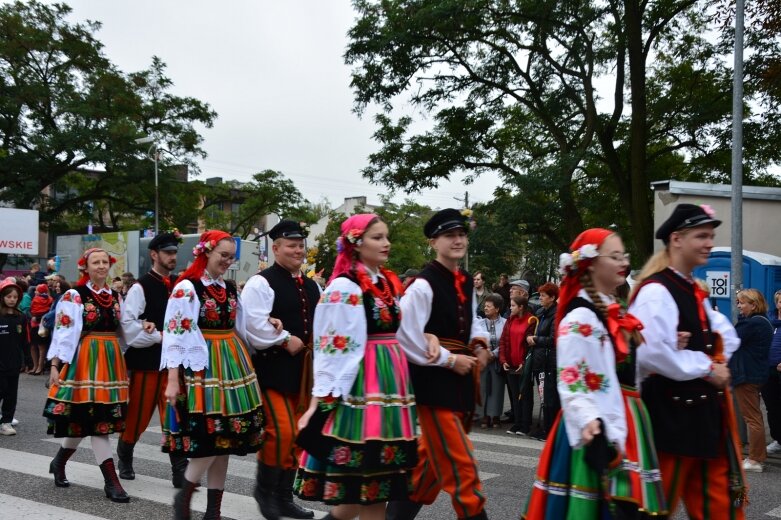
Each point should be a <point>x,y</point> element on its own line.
<point>27,492</point>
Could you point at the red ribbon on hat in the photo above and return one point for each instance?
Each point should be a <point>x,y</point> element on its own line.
<point>620,327</point>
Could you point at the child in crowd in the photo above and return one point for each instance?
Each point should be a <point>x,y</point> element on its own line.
<point>13,338</point>
<point>42,302</point>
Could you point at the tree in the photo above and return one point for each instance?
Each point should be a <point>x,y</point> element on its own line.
<point>65,108</point>
<point>268,192</point>
<point>511,90</point>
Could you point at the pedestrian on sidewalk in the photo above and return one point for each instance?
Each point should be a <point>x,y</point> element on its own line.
<point>599,459</point>
<point>214,403</point>
<point>492,378</point>
<point>13,341</point>
<point>771,390</point>
<point>512,356</point>
<point>748,367</point>
<point>88,386</point>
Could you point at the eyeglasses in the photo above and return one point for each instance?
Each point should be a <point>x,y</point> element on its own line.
<point>227,257</point>
<point>622,257</point>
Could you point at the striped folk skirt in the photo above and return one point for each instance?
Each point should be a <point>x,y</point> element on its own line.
<point>219,411</point>
<point>566,487</point>
<point>361,448</point>
<point>91,396</point>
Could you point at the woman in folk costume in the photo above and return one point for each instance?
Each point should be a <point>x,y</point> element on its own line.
<point>599,461</point>
<point>359,431</point>
<point>88,381</point>
<point>218,411</point>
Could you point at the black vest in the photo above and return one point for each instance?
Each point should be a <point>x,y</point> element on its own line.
<point>295,306</point>
<point>686,415</point>
<point>438,386</point>
<point>156,296</point>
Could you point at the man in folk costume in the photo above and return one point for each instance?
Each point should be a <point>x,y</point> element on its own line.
<point>283,360</point>
<point>143,312</point>
<point>446,347</point>
<point>686,378</point>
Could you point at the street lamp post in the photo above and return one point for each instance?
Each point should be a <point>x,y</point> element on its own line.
<point>145,140</point>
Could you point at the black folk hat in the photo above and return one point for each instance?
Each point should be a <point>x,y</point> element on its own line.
<point>686,216</point>
<point>164,242</point>
<point>445,220</point>
<point>287,229</point>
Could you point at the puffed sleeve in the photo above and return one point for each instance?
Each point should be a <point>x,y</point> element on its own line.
<point>183,343</point>
<point>130,322</point>
<point>67,327</point>
<point>587,380</point>
<point>258,300</point>
<point>339,332</point>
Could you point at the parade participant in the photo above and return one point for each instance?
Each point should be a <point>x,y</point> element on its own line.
<point>359,431</point>
<point>283,361</point>
<point>143,310</point>
<point>446,345</point>
<point>219,413</point>
<point>88,390</point>
<point>599,460</point>
<point>686,389</point>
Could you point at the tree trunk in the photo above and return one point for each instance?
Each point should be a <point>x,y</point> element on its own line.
<point>640,209</point>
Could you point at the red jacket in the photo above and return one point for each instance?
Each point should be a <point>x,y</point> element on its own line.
<point>512,344</point>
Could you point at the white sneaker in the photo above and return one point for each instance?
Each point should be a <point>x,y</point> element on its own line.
<point>14,422</point>
<point>774,447</point>
<point>7,429</point>
<point>750,465</point>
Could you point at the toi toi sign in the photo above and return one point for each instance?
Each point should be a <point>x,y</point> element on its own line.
<point>19,231</point>
<point>718,281</point>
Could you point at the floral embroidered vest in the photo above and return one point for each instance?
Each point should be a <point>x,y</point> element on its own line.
<point>96,317</point>
<point>214,314</point>
<point>380,318</point>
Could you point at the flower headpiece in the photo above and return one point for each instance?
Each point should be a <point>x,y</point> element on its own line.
<point>568,262</point>
<point>708,210</point>
<point>470,221</point>
<point>177,235</point>
<point>201,247</point>
<point>82,263</point>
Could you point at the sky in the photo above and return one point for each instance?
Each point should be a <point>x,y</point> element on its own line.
<point>274,72</point>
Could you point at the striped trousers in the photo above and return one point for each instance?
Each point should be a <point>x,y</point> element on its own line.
<point>446,462</point>
<point>147,389</point>
<point>702,484</point>
<point>279,448</point>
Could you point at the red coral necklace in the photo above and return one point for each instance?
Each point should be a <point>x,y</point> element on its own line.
<point>105,300</point>
<point>217,292</point>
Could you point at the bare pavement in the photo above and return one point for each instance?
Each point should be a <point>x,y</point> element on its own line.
<point>27,491</point>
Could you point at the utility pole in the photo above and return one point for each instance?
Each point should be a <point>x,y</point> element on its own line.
<point>736,256</point>
<point>465,200</point>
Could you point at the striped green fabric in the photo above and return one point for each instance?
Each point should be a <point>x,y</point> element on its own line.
<point>94,375</point>
<point>349,418</point>
<point>229,385</point>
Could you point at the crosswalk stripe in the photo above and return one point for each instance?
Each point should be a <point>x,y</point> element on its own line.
<point>774,512</point>
<point>23,509</point>
<point>143,487</point>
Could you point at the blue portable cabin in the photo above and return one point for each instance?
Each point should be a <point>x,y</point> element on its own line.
<point>761,271</point>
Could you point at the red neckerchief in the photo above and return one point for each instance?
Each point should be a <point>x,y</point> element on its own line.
<point>165,279</point>
<point>299,280</point>
<point>620,326</point>
<point>459,278</point>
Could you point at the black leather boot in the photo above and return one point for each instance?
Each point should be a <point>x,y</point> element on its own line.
<point>265,491</point>
<point>287,507</point>
<point>57,467</point>
<point>213,504</point>
<point>182,500</point>
<point>402,510</point>
<point>178,467</point>
<point>125,460</point>
<point>112,486</point>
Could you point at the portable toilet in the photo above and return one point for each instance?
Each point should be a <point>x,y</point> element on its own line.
<point>761,271</point>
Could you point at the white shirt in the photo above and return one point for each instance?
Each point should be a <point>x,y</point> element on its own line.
<point>133,333</point>
<point>257,301</point>
<point>416,311</point>
<point>656,308</point>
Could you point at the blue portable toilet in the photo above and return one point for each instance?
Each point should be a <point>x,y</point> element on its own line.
<point>761,271</point>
